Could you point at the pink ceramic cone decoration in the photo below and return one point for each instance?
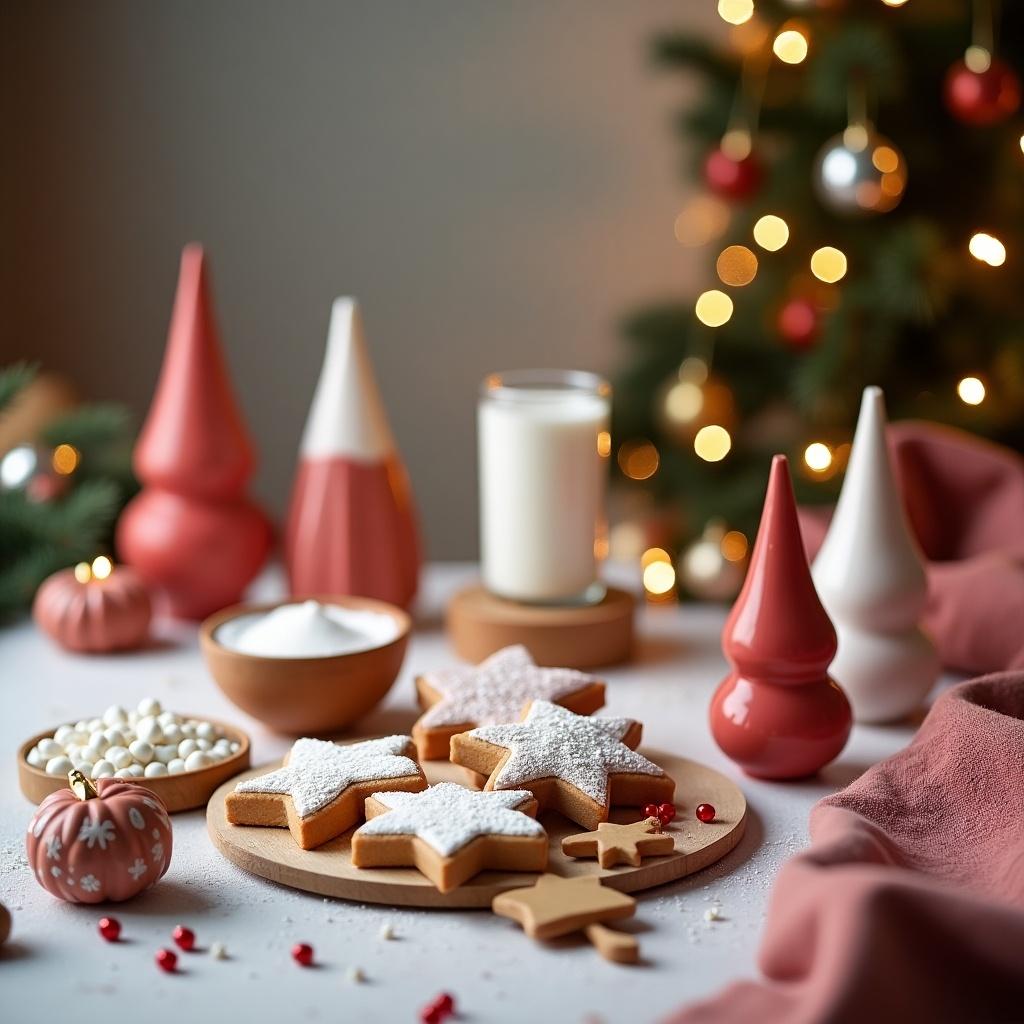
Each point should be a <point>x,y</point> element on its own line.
<point>351,525</point>
<point>777,713</point>
<point>191,533</point>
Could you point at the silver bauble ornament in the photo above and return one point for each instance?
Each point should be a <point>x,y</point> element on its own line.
<point>860,172</point>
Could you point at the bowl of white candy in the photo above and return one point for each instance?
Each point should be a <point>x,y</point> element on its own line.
<point>181,758</point>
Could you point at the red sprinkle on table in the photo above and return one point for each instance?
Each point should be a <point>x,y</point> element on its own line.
<point>166,960</point>
<point>110,928</point>
<point>705,813</point>
<point>436,1012</point>
<point>184,937</point>
<point>302,953</point>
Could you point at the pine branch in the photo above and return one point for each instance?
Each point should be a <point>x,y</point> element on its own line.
<point>90,426</point>
<point>13,379</point>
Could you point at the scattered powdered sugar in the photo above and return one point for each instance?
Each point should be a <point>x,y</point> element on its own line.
<point>552,742</point>
<point>318,771</point>
<point>448,816</point>
<point>498,688</point>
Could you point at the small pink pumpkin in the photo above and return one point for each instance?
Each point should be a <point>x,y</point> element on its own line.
<point>95,842</point>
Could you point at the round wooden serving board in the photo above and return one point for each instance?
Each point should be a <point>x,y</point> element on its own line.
<point>272,853</point>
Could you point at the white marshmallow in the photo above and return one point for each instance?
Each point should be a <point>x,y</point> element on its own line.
<point>35,759</point>
<point>186,747</point>
<point>218,951</point>
<point>188,730</point>
<point>149,707</point>
<point>98,736</point>
<point>236,747</point>
<point>122,773</point>
<point>85,767</point>
<point>115,715</point>
<point>119,757</point>
<point>133,717</point>
<point>141,751</point>
<point>166,718</point>
<point>198,759</point>
<point>64,734</point>
<point>203,744</point>
<point>150,730</point>
<point>102,770</point>
<point>59,765</point>
<point>206,731</point>
<point>166,752</point>
<point>82,726</point>
<point>94,725</point>
<point>135,771</point>
<point>115,737</point>
<point>176,767</point>
<point>172,733</point>
<point>49,748</point>
<point>155,768</point>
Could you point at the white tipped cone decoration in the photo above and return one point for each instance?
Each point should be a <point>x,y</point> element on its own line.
<point>351,526</point>
<point>870,576</point>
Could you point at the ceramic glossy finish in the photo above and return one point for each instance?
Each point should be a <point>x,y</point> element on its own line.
<point>777,713</point>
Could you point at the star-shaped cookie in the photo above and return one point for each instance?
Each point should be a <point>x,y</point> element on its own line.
<point>450,833</point>
<point>319,791</point>
<point>497,690</point>
<point>615,844</point>
<point>577,765</point>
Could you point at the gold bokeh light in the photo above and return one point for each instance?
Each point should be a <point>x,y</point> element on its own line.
<point>987,248</point>
<point>736,266</point>
<point>736,12</point>
<point>712,443</point>
<point>771,232</point>
<point>659,578</point>
<point>971,391</point>
<point>638,459</point>
<point>734,546</point>
<point>702,220</point>
<point>818,456</point>
<point>65,459</point>
<point>102,567</point>
<point>828,264</point>
<point>713,308</point>
<point>790,45</point>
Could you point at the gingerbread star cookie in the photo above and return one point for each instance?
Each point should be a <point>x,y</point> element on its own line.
<point>615,844</point>
<point>319,791</point>
<point>450,833</point>
<point>497,690</point>
<point>577,765</point>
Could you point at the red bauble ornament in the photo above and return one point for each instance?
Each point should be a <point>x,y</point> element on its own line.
<point>302,953</point>
<point>732,178</point>
<point>107,840</point>
<point>650,810</point>
<point>166,960</point>
<point>666,813</point>
<point>184,938</point>
<point>798,323</point>
<point>982,97</point>
<point>777,713</point>
<point>706,813</point>
<point>110,928</point>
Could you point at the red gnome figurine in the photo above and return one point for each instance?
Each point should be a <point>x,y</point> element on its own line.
<point>778,714</point>
<point>351,523</point>
<point>192,534</point>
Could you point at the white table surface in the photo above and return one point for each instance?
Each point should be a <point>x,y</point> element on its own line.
<point>56,966</point>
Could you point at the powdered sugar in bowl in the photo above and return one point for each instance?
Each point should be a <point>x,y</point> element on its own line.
<point>306,666</point>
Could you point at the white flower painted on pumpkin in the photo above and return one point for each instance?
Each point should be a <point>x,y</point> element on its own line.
<point>56,871</point>
<point>138,869</point>
<point>157,852</point>
<point>53,847</point>
<point>93,832</point>
<point>69,880</point>
<point>156,833</point>
<point>90,883</point>
<point>136,818</point>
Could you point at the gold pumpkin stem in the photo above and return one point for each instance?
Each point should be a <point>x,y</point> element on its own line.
<point>81,786</point>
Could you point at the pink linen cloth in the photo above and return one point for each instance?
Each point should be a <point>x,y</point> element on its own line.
<point>909,904</point>
<point>965,501</point>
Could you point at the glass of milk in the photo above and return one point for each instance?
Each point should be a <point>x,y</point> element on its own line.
<point>543,445</point>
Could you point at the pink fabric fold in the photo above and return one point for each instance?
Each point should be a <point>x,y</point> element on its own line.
<point>909,904</point>
<point>965,500</point>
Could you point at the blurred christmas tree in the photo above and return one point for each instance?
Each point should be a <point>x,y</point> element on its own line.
<point>59,493</point>
<point>861,170</point>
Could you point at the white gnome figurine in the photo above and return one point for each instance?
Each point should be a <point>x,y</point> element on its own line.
<point>870,576</point>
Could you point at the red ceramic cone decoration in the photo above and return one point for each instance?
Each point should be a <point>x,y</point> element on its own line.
<point>778,714</point>
<point>351,525</point>
<point>191,533</point>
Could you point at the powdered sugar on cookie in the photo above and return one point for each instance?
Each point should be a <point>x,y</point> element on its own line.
<point>318,772</point>
<point>552,742</point>
<point>497,689</point>
<point>448,816</point>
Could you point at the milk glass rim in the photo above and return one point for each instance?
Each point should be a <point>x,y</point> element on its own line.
<point>521,385</point>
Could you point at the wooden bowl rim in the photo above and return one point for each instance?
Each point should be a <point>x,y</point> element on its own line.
<point>211,623</point>
<point>241,754</point>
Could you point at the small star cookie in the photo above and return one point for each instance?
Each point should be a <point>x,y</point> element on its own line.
<point>495,691</point>
<point>450,833</point>
<point>573,764</point>
<point>319,791</point>
<point>620,844</point>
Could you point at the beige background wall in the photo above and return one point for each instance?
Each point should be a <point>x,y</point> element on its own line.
<point>494,179</point>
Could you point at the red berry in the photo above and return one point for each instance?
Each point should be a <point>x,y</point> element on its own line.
<point>445,1003</point>
<point>184,937</point>
<point>110,928</point>
<point>650,810</point>
<point>705,813</point>
<point>430,1015</point>
<point>166,960</point>
<point>666,812</point>
<point>302,953</point>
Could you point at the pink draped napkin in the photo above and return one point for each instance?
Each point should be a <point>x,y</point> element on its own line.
<point>965,500</point>
<point>909,904</point>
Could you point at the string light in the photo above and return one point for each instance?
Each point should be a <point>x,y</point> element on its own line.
<point>712,443</point>
<point>713,308</point>
<point>684,401</point>
<point>1022,143</point>
<point>82,572</point>
<point>638,459</point>
<point>734,546</point>
<point>818,457</point>
<point>701,220</point>
<point>771,232</point>
<point>736,266</point>
<point>659,578</point>
<point>736,12</point>
<point>102,567</point>
<point>828,264</point>
<point>652,555</point>
<point>693,368</point>
<point>894,3</point>
<point>977,59</point>
<point>65,459</point>
<point>971,391</point>
<point>987,249</point>
<point>790,46</point>
<point>604,444</point>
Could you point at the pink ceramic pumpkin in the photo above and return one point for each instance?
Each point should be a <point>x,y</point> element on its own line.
<point>92,843</point>
<point>91,613</point>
